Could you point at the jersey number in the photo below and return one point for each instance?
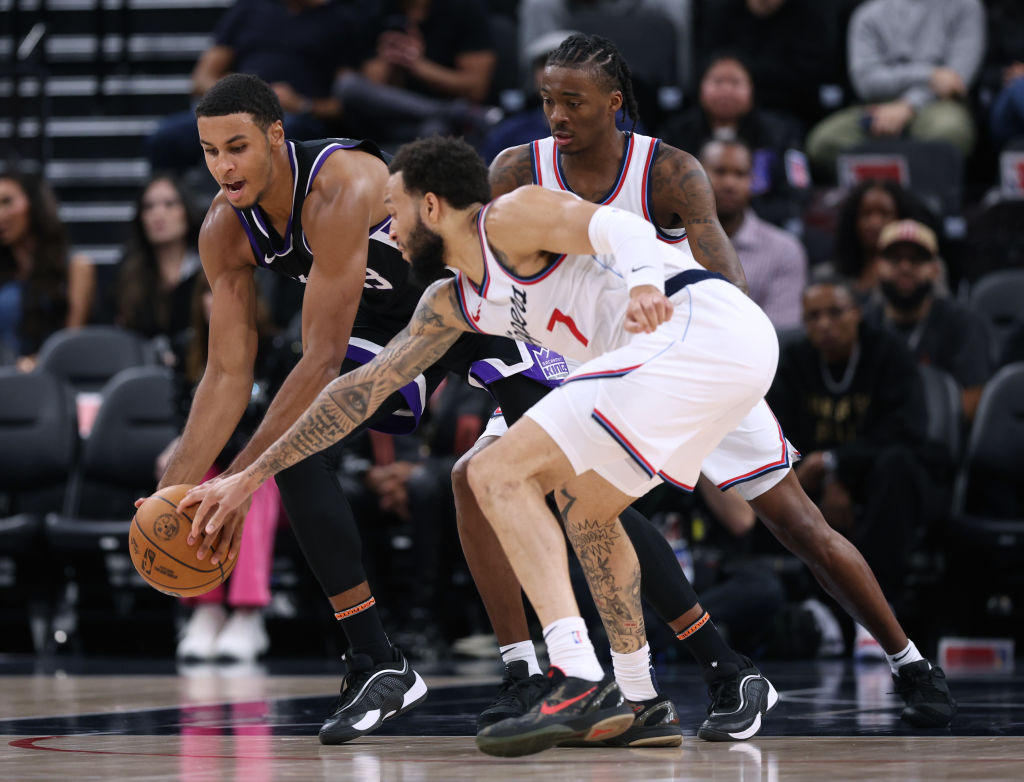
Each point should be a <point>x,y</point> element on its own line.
<point>375,282</point>
<point>560,317</point>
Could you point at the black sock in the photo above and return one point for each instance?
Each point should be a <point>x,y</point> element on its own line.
<point>709,649</point>
<point>364,630</point>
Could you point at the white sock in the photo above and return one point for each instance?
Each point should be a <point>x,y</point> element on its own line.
<point>633,674</point>
<point>907,656</point>
<point>523,650</point>
<point>569,649</point>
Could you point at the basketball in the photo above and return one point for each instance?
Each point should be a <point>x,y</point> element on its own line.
<point>158,543</point>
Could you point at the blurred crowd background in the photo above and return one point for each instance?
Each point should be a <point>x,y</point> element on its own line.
<point>869,170</point>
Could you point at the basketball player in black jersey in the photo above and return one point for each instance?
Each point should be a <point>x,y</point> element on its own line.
<point>586,82</point>
<point>313,211</point>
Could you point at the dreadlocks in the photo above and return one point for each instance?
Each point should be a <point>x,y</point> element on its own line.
<point>600,56</point>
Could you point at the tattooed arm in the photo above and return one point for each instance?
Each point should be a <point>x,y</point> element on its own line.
<point>512,168</point>
<point>342,406</point>
<point>681,194</point>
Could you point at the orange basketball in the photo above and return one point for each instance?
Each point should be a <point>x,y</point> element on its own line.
<point>158,544</point>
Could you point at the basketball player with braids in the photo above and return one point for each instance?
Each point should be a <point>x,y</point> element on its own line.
<point>586,82</point>
<point>313,211</point>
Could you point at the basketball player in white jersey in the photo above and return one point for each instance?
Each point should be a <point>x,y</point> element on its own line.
<point>672,358</point>
<point>586,83</point>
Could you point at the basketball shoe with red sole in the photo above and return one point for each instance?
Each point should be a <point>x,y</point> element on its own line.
<point>571,709</point>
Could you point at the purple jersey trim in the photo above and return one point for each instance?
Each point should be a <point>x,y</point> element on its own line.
<point>393,424</point>
<point>548,368</point>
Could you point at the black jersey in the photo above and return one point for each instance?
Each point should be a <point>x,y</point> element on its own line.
<point>387,291</point>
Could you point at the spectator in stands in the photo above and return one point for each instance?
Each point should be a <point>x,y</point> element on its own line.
<point>939,331</point>
<point>786,44</point>
<point>44,286</point>
<point>297,46</point>
<point>1003,75</point>
<point>774,261</point>
<point>160,264</point>
<point>537,17</point>
<point>867,209</point>
<point>531,123</point>
<point>851,400</point>
<point>429,73</point>
<point>726,111</point>
<point>911,62</point>
<point>210,632</point>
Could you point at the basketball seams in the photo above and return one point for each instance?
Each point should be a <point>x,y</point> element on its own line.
<point>217,574</point>
<point>171,556</point>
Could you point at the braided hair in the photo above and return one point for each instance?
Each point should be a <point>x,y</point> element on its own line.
<point>598,55</point>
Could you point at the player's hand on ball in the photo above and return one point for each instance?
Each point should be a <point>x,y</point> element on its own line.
<point>648,308</point>
<point>223,505</point>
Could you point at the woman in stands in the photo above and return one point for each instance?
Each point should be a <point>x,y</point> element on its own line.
<point>867,209</point>
<point>227,623</point>
<point>161,261</point>
<point>44,287</point>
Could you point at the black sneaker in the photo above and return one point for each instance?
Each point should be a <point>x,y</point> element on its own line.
<point>571,708</point>
<point>655,724</point>
<point>371,693</point>
<point>518,692</point>
<point>923,688</point>
<point>737,703</point>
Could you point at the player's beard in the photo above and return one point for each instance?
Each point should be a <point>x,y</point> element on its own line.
<point>426,254</point>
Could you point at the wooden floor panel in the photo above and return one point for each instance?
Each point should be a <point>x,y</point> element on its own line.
<point>834,722</point>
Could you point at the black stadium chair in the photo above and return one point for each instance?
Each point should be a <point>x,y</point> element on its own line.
<point>999,298</point>
<point>985,546</point>
<point>88,357</point>
<point>942,398</point>
<point>934,169</point>
<point>38,443</point>
<point>135,422</point>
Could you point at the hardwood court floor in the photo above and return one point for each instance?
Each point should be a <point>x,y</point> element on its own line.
<point>834,722</point>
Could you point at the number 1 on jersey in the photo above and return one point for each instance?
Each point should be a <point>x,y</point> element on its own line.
<point>560,317</point>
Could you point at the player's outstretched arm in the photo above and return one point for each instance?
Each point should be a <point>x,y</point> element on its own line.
<point>679,184</point>
<point>343,405</point>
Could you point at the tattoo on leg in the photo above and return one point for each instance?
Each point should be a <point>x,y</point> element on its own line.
<point>617,598</point>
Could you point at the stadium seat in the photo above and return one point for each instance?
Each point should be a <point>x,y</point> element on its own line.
<point>945,416</point>
<point>933,169</point>
<point>38,443</point>
<point>985,546</point>
<point>135,423</point>
<point>994,239</point>
<point>89,539</point>
<point>88,357</point>
<point>999,298</point>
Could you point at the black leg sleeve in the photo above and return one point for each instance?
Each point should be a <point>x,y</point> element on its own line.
<point>663,583</point>
<point>321,517</point>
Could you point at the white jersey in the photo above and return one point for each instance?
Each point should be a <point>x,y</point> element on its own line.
<point>576,306</point>
<point>632,189</point>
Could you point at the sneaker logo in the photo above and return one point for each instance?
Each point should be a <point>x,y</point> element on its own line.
<point>547,708</point>
<point>598,732</point>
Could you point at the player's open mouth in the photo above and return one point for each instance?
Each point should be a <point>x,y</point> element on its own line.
<point>562,138</point>
<point>234,188</point>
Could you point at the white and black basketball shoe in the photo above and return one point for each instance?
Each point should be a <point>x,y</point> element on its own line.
<point>371,693</point>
